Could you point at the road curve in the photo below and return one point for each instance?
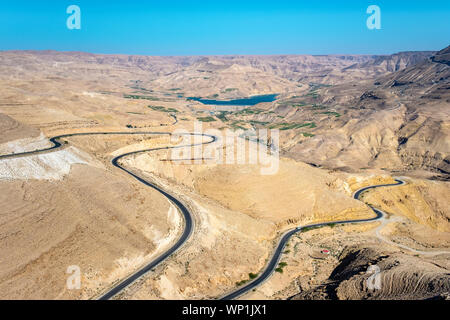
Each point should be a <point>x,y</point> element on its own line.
<point>186,214</point>
<point>273,263</point>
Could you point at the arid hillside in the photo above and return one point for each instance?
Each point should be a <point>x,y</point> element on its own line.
<point>397,123</point>
<point>404,277</point>
<point>344,122</point>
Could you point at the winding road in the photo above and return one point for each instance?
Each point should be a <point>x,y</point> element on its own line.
<point>188,219</point>
<point>273,263</point>
<point>186,214</point>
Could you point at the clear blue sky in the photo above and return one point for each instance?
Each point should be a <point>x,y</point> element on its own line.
<point>187,27</point>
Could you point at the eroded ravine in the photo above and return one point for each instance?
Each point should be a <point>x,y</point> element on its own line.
<point>273,262</point>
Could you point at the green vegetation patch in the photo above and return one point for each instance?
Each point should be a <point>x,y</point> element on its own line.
<point>240,283</point>
<point>141,89</point>
<point>308,135</point>
<point>230,89</point>
<point>163,109</point>
<point>261,123</point>
<point>157,108</point>
<point>236,125</point>
<point>331,225</point>
<point>281,265</point>
<point>306,229</point>
<point>206,119</point>
<point>222,115</point>
<point>290,126</point>
<point>332,113</point>
<point>248,111</point>
<point>138,97</point>
<point>252,275</point>
<point>312,94</point>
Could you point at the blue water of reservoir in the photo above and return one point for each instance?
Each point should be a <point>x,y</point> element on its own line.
<point>250,101</point>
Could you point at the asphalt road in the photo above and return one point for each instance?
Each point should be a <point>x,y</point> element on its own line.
<point>186,214</point>
<point>273,263</point>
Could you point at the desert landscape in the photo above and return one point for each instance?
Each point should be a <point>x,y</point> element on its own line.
<point>126,193</point>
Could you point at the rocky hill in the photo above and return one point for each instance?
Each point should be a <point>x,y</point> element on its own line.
<point>401,277</point>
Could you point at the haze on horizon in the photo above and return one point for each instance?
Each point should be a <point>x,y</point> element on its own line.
<point>225,28</point>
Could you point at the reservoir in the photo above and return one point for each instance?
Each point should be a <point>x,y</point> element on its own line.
<point>250,101</point>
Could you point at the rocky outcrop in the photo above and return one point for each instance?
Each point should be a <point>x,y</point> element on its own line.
<point>370,273</point>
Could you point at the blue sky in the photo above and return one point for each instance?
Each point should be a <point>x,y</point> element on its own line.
<point>225,27</point>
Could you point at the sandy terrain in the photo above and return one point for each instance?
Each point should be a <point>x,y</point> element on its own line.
<point>345,122</point>
<point>60,209</point>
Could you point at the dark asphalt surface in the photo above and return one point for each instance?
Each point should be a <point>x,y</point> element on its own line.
<point>188,217</point>
<point>186,214</point>
<point>273,263</point>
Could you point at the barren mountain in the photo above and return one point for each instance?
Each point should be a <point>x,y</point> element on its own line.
<point>400,120</point>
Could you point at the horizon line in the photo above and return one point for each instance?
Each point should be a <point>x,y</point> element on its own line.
<point>215,55</point>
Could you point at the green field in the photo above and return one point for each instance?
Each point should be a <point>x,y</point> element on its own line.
<point>206,119</point>
<point>137,97</point>
<point>247,111</point>
<point>332,113</point>
<point>290,126</point>
<point>163,109</point>
<point>308,135</point>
